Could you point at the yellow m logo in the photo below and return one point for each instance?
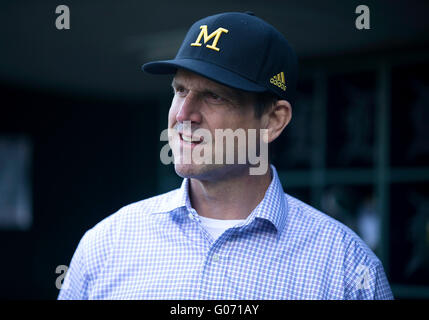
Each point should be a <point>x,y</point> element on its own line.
<point>216,35</point>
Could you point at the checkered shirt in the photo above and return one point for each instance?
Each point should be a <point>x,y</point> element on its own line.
<point>157,249</point>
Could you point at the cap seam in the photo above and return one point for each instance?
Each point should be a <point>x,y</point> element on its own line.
<point>265,57</point>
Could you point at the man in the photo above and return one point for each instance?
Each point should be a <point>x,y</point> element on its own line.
<point>226,233</point>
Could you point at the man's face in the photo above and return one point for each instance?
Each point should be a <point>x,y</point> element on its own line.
<point>207,105</point>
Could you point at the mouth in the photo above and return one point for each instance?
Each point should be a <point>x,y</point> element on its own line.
<point>190,141</point>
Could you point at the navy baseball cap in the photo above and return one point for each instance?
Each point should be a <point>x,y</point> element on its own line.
<point>238,50</point>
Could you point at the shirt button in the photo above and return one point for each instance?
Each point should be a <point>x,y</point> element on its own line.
<point>190,216</point>
<point>216,258</point>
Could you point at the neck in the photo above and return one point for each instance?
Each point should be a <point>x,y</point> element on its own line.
<point>228,199</point>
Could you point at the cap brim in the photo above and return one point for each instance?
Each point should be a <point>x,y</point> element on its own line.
<point>205,69</point>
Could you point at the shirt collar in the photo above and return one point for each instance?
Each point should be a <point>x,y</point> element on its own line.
<point>272,208</point>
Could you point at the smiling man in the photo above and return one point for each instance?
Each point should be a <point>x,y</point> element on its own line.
<point>225,233</point>
<point>216,189</point>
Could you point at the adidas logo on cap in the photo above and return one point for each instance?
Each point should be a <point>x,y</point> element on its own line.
<point>279,81</point>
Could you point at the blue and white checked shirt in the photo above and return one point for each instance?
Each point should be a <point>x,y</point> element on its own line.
<point>157,249</point>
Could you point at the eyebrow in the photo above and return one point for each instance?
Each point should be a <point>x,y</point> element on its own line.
<point>174,83</point>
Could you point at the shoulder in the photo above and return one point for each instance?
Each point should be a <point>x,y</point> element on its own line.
<point>124,225</point>
<point>338,250</point>
<point>114,233</point>
<point>137,212</point>
<point>304,218</point>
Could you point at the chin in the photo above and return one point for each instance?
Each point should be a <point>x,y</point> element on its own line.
<point>191,170</point>
<point>212,172</point>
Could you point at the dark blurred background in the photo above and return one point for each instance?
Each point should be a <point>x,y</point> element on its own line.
<point>80,124</point>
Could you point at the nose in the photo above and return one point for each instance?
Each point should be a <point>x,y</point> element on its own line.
<point>189,109</point>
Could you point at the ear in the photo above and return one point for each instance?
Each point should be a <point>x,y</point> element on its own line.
<point>277,118</point>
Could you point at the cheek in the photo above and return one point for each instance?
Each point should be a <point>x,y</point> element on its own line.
<point>242,122</point>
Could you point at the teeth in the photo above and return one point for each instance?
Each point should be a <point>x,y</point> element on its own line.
<point>189,139</point>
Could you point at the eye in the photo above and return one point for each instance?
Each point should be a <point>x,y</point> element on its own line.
<point>181,91</point>
<point>214,98</point>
